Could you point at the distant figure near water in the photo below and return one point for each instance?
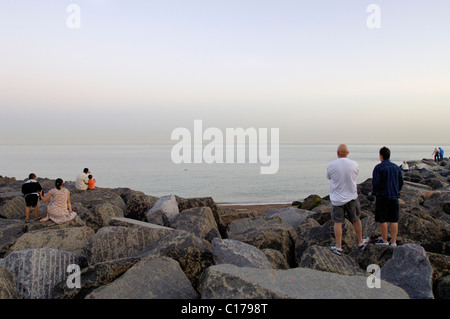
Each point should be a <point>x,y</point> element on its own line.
<point>342,174</point>
<point>82,181</point>
<point>436,155</point>
<point>441,154</point>
<point>59,209</point>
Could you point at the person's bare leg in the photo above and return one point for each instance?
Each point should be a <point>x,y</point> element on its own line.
<point>27,213</point>
<point>338,234</point>
<point>36,212</point>
<point>358,230</point>
<point>394,232</point>
<point>384,231</point>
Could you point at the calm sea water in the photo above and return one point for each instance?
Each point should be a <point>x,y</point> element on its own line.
<point>149,168</point>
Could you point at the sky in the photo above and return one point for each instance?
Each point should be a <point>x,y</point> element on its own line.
<point>133,71</point>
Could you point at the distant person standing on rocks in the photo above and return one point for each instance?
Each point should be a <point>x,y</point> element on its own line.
<point>441,153</point>
<point>387,182</point>
<point>31,190</point>
<point>436,155</point>
<point>82,181</point>
<point>342,174</point>
<point>59,209</point>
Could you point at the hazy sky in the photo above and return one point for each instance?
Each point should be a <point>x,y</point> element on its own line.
<point>136,70</point>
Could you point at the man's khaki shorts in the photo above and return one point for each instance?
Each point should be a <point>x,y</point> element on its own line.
<point>351,210</point>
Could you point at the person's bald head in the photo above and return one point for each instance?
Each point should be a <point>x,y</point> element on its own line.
<point>342,150</point>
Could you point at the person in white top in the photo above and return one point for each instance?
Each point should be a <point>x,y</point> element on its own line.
<point>342,174</point>
<point>83,180</point>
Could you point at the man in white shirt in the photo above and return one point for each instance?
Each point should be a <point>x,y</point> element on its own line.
<point>342,174</point>
<point>82,180</point>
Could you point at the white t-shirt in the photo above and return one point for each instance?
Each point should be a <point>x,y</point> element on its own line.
<point>82,181</point>
<point>342,174</point>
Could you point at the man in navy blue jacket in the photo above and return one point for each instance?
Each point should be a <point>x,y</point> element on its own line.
<point>387,182</point>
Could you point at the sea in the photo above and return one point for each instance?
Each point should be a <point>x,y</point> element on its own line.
<point>149,168</point>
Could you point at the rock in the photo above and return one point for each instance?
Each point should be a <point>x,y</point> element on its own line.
<point>68,239</point>
<point>324,236</point>
<point>322,258</point>
<point>8,289</point>
<point>191,252</point>
<point>10,231</point>
<point>164,211</point>
<point>443,288</point>
<point>90,199</point>
<point>310,202</point>
<point>372,255</point>
<point>100,215</point>
<point>275,258</point>
<point>291,216</point>
<point>228,214</point>
<point>37,271</point>
<point>13,208</point>
<point>187,203</point>
<point>138,205</point>
<point>264,232</point>
<point>229,251</point>
<point>94,277</point>
<point>115,242</point>
<point>418,225</point>
<point>198,221</point>
<point>233,282</point>
<point>410,269</point>
<point>151,278</point>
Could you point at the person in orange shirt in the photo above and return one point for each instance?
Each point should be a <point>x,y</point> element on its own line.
<point>91,182</point>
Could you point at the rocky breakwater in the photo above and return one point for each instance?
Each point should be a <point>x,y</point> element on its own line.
<point>127,244</point>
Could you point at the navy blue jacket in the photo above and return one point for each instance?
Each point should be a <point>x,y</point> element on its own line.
<point>387,180</point>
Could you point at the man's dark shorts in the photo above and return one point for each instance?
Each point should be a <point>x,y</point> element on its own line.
<point>31,200</point>
<point>386,210</point>
<point>351,210</point>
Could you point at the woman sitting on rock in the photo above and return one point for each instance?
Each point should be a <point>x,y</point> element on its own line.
<point>59,209</point>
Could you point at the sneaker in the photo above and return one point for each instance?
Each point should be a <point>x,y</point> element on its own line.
<point>364,243</point>
<point>392,244</point>
<point>381,242</point>
<point>337,251</point>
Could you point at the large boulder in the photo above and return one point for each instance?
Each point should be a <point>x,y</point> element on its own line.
<point>100,215</point>
<point>324,236</point>
<point>410,269</point>
<point>291,216</point>
<point>187,203</point>
<point>37,271</point>
<point>13,208</point>
<point>265,232</point>
<point>138,205</point>
<point>163,211</point>
<point>151,278</point>
<point>94,277</point>
<point>90,199</point>
<point>229,251</point>
<point>115,242</point>
<point>10,231</point>
<point>71,239</point>
<point>232,282</point>
<point>198,221</point>
<point>228,214</point>
<point>191,252</point>
<point>322,258</point>
<point>8,286</point>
